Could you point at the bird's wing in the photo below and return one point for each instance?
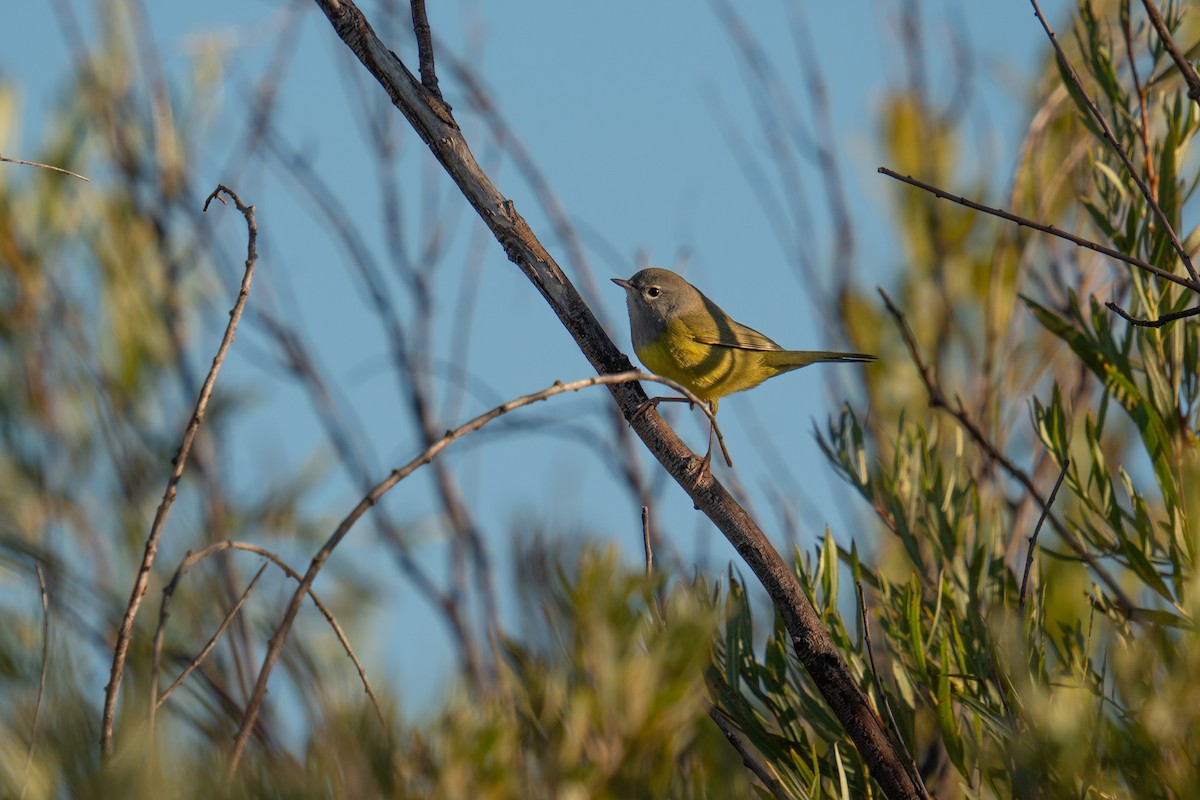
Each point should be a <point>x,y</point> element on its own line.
<point>723,331</point>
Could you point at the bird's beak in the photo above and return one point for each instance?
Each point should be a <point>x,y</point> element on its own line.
<point>624,284</point>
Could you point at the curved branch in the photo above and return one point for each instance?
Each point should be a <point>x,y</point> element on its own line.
<point>50,167</point>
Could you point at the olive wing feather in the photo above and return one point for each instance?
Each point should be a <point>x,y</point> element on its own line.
<point>721,330</point>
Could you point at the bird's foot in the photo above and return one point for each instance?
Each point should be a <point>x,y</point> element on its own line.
<point>702,467</point>
<point>652,402</point>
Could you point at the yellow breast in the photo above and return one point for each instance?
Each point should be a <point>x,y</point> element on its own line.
<point>709,371</point>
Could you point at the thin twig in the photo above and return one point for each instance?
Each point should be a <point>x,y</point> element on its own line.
<point>125,633</point>
<point>910,762</point>
<point>1178,56</point>
<point>37,705</point>
<point>160,636</point>
<point>1151,323</point>
<point>1036,530</point>
<point>44,166</point>
<point>937,399</point>
<point>1050,229</point>
<point>762,770</point>
<point>646,540</point>
<point>1143,122</point>
<point>1116,146</point>
<point>254,704</point>
<point>425,47</point>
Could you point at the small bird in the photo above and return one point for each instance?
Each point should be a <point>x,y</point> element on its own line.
<point>680,334</point>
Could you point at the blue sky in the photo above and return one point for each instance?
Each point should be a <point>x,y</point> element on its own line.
<point>619,104</point>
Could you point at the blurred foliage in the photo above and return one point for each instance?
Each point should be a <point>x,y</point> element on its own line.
<point>1078,684</point>
<point>610,704</point>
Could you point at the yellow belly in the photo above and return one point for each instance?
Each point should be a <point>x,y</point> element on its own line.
<point>709,371</point>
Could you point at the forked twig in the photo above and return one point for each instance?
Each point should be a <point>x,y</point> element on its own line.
<point>1036,530</point>
<point>156,700</point>
<point>1151,323</point>
<point>125,633</point>
<point>338,631</point>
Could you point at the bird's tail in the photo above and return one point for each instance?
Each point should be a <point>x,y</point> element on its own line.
<point>794,359</point>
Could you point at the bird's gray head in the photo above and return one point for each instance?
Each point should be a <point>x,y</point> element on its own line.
<point>655,297</point>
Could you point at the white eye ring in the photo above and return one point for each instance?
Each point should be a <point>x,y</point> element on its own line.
<point>653,291</point>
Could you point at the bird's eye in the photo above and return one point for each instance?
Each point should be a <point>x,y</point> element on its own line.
<point>653,291</point>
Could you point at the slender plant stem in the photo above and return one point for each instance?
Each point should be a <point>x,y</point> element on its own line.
<point>141,582</point>
<point>1062,473</point>
<point>51,167</point>
<point>913,771</point>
